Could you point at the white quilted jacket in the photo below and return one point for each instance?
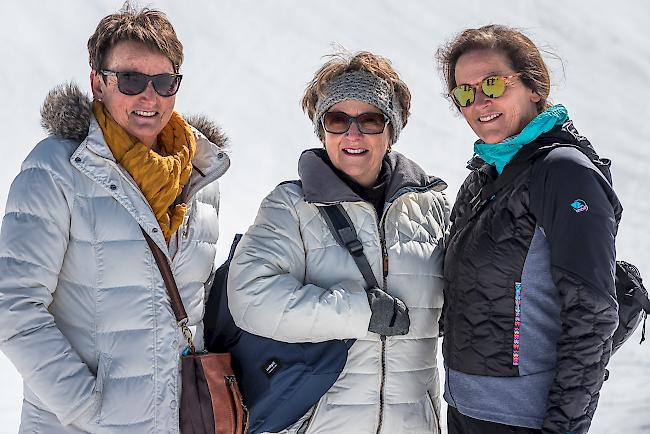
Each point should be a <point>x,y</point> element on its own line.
<point>290,281</point>
<point>84,313</point>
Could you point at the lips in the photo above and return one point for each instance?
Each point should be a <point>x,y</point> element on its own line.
<point>488,117</point>
<point>145,114</point>
<point>354,151</point>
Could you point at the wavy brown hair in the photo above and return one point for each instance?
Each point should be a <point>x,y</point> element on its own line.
<point>521,51</point>
<point>150,27</point>
<point>342,62</point>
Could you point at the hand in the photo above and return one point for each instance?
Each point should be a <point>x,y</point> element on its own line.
<point>390,316</point>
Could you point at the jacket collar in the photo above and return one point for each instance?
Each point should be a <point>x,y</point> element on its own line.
<point>209,163</point>
<point>565,133</point>
<point>321,185</point>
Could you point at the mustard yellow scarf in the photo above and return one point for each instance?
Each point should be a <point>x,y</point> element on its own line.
<point>160,177</point>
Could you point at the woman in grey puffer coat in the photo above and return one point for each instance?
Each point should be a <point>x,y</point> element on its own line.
<point>290,280</point>
<point>84,313</point>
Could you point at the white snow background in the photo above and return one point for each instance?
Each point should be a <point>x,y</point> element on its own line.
<point>247,64</point>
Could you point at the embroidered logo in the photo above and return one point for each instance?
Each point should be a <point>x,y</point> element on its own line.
<point>270,367</point>
<point>579,205</point>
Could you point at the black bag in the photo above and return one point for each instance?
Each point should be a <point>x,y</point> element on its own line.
<point>633,303</point>
<point>280,381</point>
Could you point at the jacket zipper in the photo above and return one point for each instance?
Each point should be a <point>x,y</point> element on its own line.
<point>192,189</point>
<point>383,383</point>
<point>240,417</point>
<point>306,425</point>
<point>384,254</point>
<point>435,412</point>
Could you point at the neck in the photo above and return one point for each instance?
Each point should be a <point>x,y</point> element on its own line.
<point>365,182</point>
<point>153,146</point>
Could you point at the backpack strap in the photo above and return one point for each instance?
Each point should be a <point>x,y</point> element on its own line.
<point>342,229</point>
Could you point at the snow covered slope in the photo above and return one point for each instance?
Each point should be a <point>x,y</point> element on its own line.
<point>247,63</point>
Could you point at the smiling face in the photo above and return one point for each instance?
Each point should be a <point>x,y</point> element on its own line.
<point>495,119</point>
<point>356,154</point>
<point>143,115</point>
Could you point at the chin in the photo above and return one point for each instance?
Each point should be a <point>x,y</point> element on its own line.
<point>145,136</point>
<point>351,173</point>
<point>492,138</point>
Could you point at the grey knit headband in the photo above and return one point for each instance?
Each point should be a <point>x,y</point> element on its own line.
<point>365,87</point>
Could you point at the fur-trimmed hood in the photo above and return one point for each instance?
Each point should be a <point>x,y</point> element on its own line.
<point>67,110</point>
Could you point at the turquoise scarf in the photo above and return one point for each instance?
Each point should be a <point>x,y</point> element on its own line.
<point>500,154</point>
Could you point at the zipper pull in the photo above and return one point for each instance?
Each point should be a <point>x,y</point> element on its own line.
<point>384,256</point>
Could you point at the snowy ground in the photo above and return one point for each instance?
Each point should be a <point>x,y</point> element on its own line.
<point>248,62</point>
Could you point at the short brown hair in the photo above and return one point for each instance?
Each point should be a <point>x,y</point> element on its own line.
<point>343,62</point>
<point>148,26</point>
<point>523,54</point>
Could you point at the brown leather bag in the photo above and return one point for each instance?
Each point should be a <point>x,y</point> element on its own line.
<point>210,399</point>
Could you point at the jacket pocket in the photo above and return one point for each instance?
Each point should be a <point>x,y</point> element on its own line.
<point>91,417</point>
<point>103,368</point>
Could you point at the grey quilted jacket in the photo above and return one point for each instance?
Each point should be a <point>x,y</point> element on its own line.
<point>290,281</point>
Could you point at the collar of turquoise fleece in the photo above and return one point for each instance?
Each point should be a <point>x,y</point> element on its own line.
<point>500,154</point>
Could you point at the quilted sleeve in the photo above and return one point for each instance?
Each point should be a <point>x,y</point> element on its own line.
<point>266,291</point>
<point>583,351</point>
<point>577,210</point>
<point>33,242</point>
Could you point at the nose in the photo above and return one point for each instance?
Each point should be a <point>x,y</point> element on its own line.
<point>353,132</point>
<point>149,92</point>
<point>480,98</point>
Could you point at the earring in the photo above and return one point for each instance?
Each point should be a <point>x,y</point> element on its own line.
<point>390,148</point>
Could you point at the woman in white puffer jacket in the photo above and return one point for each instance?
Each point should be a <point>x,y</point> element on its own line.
<point>84,312</point>
<point>290,280</point>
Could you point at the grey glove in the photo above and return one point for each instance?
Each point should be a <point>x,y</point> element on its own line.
<point>390,316</point>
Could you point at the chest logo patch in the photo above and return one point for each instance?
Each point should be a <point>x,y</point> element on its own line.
<point>579,205</point>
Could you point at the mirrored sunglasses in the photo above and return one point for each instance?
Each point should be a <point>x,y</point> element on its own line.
<point>492,87</point>
<point>367,123</point>
<point>134,83</point>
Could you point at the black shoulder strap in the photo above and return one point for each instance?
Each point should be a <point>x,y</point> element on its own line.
<point>342,229</point>
<point>233,246</point>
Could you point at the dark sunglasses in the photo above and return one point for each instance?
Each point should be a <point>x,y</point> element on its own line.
<point>134,83</point>
<point>367,123</point>
<point>492,87</point>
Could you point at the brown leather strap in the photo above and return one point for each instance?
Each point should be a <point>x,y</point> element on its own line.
<point>168,278</point>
